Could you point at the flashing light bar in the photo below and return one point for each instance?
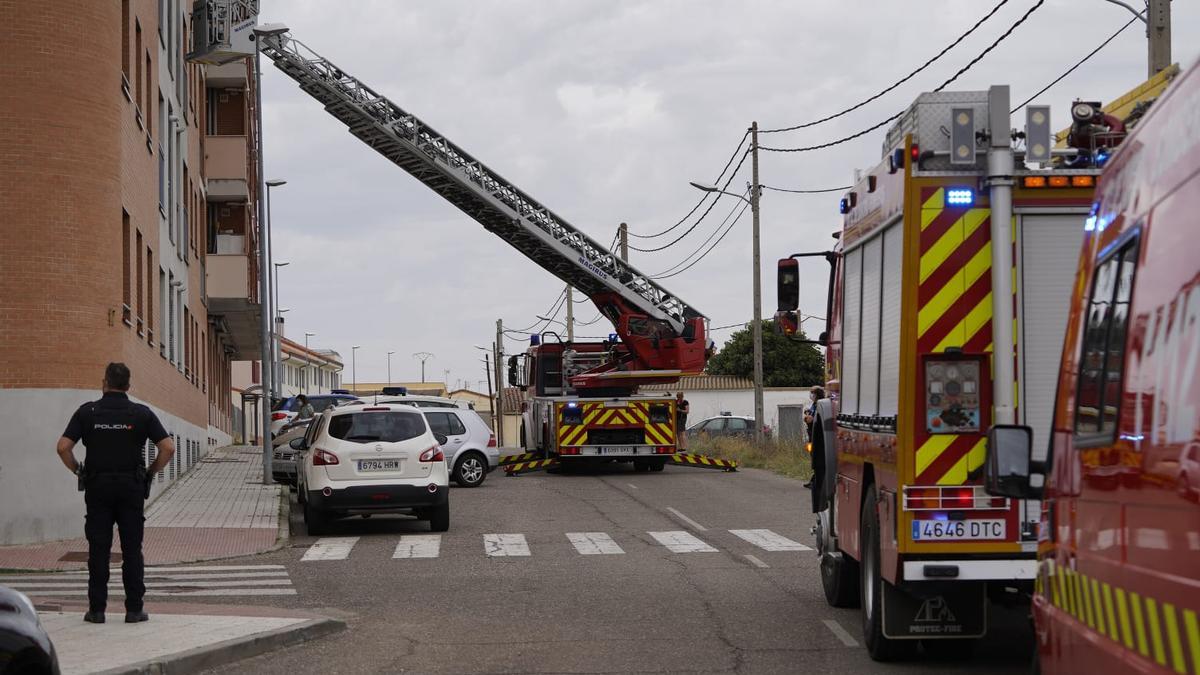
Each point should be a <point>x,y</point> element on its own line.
<point>960,196</point>
<point>1058,181</point>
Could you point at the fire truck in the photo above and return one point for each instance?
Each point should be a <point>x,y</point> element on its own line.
<point>582,401</point>
<point>949,287</point>
<point>1118,576</point>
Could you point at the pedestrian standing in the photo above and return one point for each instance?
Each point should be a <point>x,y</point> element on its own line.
<point>116,483</point>
<point>810,414</point>
<point>306,409</point>
<point>681,413</point>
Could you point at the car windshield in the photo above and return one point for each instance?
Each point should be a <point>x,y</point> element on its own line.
<point>369,427</point>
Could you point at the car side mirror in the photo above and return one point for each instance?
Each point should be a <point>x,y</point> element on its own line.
<point>442,439</point>
<point>1008,463</point>
<point>298,443</point>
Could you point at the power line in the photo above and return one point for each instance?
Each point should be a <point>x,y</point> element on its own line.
<point>704,243</point>
<point>1077,64</point>
<point>807,192</point>
<point>945,84</point>
<point>706,211</point>
<point>552,306</point>
<point>710,249</point>
<point>899,82</point>
<point>706,194</point>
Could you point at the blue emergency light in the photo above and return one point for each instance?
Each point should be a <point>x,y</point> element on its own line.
<point>535,340</point>
<point>613,337</point>
<point>960,196</point>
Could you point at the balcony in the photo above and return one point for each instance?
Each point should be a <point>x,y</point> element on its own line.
<point>226,165</point>
<point>233,298</point>
<point>228,76</point>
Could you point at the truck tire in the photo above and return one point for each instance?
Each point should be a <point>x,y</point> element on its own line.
<point>839,572</point>
<point>880,648</point>
<point>658,464</point>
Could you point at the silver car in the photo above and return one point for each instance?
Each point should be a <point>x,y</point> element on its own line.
<point>283,457</point>
<point>470,446</point>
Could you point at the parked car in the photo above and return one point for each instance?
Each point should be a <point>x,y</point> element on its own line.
<point>723,425</point>
<point>283,460</point>
<point>419,401</point>
<point>286,410</point>
<point>372,459</point>
<point>470,446</point>
<point>25,647</point>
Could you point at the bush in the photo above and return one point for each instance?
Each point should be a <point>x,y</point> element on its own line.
<point>787,458</point>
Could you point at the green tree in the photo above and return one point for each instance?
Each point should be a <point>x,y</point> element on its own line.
<point>786,363</point>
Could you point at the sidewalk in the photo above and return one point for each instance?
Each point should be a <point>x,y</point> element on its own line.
<point>219,509</point>
<point>179,637</point>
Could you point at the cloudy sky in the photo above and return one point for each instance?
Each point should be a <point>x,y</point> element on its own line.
<point>604,110</point>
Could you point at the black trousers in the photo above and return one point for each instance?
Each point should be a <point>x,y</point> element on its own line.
<point>115,498</point>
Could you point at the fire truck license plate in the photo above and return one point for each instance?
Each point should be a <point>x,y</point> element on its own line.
<point>942,530</point>
<point>618,450</point>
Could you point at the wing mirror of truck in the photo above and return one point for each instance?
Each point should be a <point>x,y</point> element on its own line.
<point>787,281</point>
<point>1009,462</point>
<point>514,373</point>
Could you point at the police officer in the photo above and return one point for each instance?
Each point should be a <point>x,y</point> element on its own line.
<point>114,431</point>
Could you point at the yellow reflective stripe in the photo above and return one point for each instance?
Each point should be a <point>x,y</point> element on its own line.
<point>941,249</point>
<point>1097,605</point>
<point>1160,654</point>
<point>933,206</point>
<point>1082,588</point>
<point>1054,582</point>
<point>940,302</point>
<point>1135,601</point>
<point>1110,617</point>
<point>1177,661</point>
<point>1068,599</point>
<point>1123,613</point>
<point>977,455</point>
<point>931,450</point>
<point>1193,637</point>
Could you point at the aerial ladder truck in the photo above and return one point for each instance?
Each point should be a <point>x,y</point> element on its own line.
<point>581,401</point>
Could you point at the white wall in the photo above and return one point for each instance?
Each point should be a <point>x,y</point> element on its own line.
<point>38,497</point>
<point>705,404</point>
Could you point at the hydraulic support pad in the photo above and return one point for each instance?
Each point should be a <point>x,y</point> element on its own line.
<point>685,459</point>
<point>532,465</point>
<point>513,459</point>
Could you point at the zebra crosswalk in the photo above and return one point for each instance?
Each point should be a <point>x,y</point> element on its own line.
<point>181,581</point>
<point>515,545</point>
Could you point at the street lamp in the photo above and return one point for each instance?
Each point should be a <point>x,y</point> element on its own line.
<point>271,301</point>
<point>307,359</point>
<point>390,368</point>
<point>753,201</point>
<point>354,368</point>
<point>277,356</point>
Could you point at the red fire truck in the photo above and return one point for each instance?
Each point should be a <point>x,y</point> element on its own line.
<point>1118,582</point>
<point>952,229</point>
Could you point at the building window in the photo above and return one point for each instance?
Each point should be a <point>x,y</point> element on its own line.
<point>149,296</point>
<point>163,327</point>
<point>149,89</point>
<point>137,80</point>
<point>140,326</point>
<point>125,285</point>
<point>1102,363</point>
<point>125,40</point>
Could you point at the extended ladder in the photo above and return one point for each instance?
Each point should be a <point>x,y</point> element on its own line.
<point>481,193</point>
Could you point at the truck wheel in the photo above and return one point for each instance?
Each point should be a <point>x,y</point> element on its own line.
<point>439,518</point>
<point>839,572</point>
<point>879,647</point>
<point>658,464</point>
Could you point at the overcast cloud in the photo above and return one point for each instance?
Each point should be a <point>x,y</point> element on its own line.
<point>604,111</point>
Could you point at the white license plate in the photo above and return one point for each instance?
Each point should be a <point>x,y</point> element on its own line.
<point>378,465</point>
<point>958,530</point>
<point>618,450</point>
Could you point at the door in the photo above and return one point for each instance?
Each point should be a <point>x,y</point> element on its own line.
<point>449,425</point>
<point>736,426</point>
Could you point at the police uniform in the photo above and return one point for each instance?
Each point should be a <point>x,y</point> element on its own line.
<point>114,431</point>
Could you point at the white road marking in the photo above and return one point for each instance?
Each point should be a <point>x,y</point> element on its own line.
<point>330,548</point>
<point>594,543</point>
<point>756,561</point>
<point>679,541</point>
<point>116,593</point>
<point>685,519</point>
<point>208,568</point>
<point>632,486</point>
<point>840,633</point>
<point>769,541</point>
<point>418,546</point>
<point>505,545</point>
<point>157,584</point>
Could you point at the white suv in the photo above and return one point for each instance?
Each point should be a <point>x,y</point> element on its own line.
<point>372,459</point>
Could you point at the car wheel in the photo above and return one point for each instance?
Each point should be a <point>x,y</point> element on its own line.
<point>471,470</point>
<point>439,518</point>
<point>316,522</point>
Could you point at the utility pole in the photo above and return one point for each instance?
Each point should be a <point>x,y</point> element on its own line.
<point>423,356</point>
<point>623,237</point>
<point>487,369</point>
<point>755,196</point>
<point>1158,35</point>
<point>570,314</point>
<point>264,279</point>
<point>498,401</point>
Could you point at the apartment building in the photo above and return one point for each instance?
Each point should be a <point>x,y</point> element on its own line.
<point>128,202</point>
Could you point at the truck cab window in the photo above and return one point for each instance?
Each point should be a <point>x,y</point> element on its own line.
<point>1102,363</point>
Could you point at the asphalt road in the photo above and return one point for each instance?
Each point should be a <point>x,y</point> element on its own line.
<point>738,609</point>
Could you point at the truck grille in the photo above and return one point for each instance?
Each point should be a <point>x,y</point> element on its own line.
<point>616,437</point>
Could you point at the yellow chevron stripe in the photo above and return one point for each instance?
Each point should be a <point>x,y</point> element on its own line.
<point>1135,602</point>
<point>1110,616</point>
<point>1097,605</point>
<point>1123,613</point>
<point>1156,640</point>
<point>666,431</point>
<point>1177,660</point>
<point>1082,588</point>
<point>1055,591</point>
<point>935,204</point>
<point>590,417</point>
<point>941,249</point>
<point>1193,637</point>
<point>575,437</point>
<point>932,449</point>
<point>652,435</point>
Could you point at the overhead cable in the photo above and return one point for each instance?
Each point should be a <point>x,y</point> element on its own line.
<point>704,243</point>
<point>706,211</point>
<point>706,194</point>
<point>745,206</point>
<point>899,82</point>
<point>1077,64</point>
<point>807,192</point>
<point>945,84</point>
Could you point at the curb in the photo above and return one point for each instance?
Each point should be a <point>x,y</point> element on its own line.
<point>237,649</point>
